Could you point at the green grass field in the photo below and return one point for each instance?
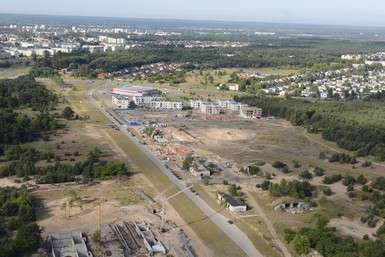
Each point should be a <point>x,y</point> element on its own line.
<point>14,72</point>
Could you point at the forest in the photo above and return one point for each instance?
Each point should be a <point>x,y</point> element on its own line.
<point>293,53</point>
<point>17,217</point>
<point>353,125</point>
<point>22,93</point>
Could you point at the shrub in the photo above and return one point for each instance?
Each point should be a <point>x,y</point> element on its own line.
<point>348,180</point>
<point>225,182</point>
<point>253,170</point>
<point>332,179</point>
<point>306,174</point>
<point>296,164</point>
<point>361,180</point>
<point>352,194</point>
<point>285,169</point>
<point>318,171</point>
<point>279,165</point>
<point>327,191</point>
<point>265,185</point>
<point>366,164</point>
<point>322,200</point>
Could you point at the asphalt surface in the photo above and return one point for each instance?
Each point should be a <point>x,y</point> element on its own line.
<point>230,230</point>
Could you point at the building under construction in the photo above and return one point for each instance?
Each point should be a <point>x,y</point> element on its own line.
<point>137,238</point>
<point>69,244</point>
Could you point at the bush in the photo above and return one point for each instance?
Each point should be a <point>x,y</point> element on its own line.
<point>265,185</point>
<point>306,174</point>
<point>348,180</point>
<point>361,180</point>
<point>332,179</point>
<point>318,171</point>
<point>327,191</point>
<point>366,164</point>
<point>372,223</point>
<point>279,165</point>
<point>322,200</point>
<point>285,169</point>
<point>296,164</point>
<point>379,183</point>
<point>352,194</point>
<point>225,182</point>
<point>350,188</point>
<point>342,158</point>
<point>206,181</point>
<point>76,153</point>
<point>253,170</point>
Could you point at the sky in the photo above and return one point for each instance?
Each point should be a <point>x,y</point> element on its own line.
<point>332,12</point>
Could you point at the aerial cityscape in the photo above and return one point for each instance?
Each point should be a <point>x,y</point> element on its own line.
<point>175,129</point>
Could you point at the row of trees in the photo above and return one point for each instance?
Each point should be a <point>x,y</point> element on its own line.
<point>355,126</point>
<point>91,168</point>
<point>293,188</point>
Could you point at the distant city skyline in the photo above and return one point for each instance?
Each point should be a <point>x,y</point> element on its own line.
<point>336,12</point>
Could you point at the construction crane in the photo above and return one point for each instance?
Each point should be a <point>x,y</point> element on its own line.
<point>164,200</point>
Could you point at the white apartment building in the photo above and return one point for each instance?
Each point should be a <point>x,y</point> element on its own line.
<point>236,107</point>
<point>146,99</point>
<point>210,108</point>
<point>166,105</point>
<point>121,101</point>
<point>226,103</point>
<point>195,104</point>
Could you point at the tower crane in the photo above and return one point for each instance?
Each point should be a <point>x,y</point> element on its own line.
<point>164,200</point>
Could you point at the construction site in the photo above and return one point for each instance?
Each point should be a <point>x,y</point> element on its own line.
<point>149,228</point>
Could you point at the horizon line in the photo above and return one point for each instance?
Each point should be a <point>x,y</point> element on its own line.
<point>201,20</point>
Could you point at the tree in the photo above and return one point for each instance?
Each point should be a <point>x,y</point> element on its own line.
<point>206,181</point>
<point>301,244</point>
<point>97,237</point>
<point>187,162</point>
<point>64,207</point>
<point>68,113</point>
<point>233,190</point>
<point>28,237</point>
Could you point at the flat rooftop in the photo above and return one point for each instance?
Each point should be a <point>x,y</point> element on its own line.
<point>135,88</point>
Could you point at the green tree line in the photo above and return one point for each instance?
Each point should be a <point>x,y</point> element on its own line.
<point>353,125</point>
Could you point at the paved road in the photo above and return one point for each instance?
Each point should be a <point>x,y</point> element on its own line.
<point>230,230</point>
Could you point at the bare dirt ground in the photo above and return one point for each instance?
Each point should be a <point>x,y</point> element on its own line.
<point>53,218</point>
<point>350,227</point>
